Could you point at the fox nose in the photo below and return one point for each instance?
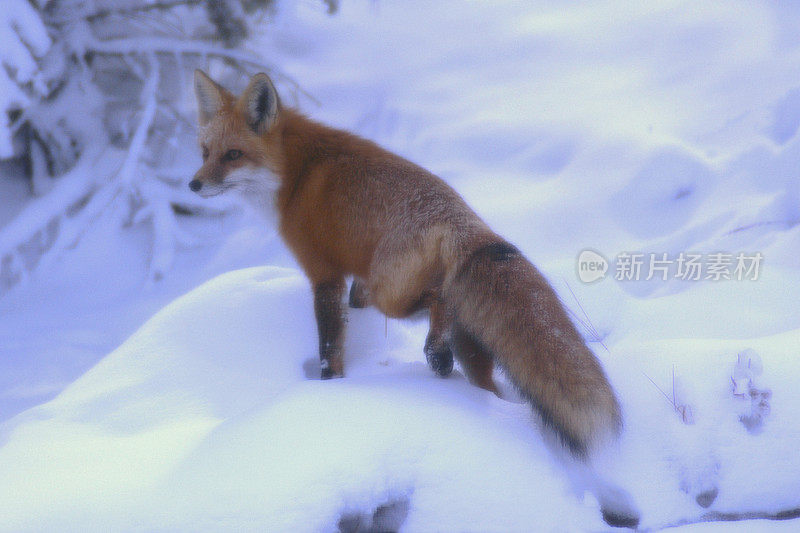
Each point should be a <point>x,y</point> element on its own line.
<point>195,185</point>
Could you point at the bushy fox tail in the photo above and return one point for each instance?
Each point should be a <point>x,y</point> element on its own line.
<point>499,298</point>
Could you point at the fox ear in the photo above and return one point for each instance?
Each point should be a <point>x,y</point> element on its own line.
<point>209,96</point>
<point>260,101</point>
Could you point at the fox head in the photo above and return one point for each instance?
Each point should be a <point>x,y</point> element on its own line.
<point>234,136</point>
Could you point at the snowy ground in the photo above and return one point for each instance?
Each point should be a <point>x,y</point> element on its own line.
<point>620,127</point>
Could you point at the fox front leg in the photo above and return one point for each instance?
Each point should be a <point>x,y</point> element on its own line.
<point>438,351</point>
<point>330,325</point>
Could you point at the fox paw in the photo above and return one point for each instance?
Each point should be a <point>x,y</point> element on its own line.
<point>616,519</point>
<point>327,373</point>
<point>440,360</point>
<point>618,508</point>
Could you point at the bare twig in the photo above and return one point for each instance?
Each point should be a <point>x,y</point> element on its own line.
<point>163,45</point>
<point>683,410</point>
<point>669,400</point>
<point>588,324</point>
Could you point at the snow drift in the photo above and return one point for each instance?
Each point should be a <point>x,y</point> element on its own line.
<point>207,418</point>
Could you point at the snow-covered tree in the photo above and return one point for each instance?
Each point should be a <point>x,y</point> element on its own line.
<point>96,108</point>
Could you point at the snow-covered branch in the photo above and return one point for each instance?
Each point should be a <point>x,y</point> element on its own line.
<point>93,108</point>
<point>171,46</point>
<point>137,145</point>
<point>95,14</point>
<point>43,227</point>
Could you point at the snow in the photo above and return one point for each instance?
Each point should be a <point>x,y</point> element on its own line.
<point>659,127</point>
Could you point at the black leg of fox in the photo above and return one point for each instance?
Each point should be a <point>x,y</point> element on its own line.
<point>438,351</point>
<point>330,325</point>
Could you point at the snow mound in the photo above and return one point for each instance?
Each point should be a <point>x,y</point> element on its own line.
<point>206,415</point>
<point>210,417</point>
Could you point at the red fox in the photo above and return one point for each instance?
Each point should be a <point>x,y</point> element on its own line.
<point>347,207</point>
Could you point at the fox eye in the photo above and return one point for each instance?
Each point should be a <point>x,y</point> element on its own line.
<point>205,153</point>
<point>231,155</point>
